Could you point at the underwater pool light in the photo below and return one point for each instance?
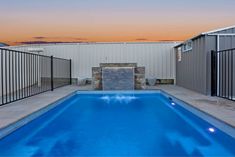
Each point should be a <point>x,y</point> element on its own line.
<point>211,130</point>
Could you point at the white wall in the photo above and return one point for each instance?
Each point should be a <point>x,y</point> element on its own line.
<point>158,58</point>
<point>17,72</point>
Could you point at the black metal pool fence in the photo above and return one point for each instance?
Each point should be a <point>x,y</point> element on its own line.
<point>223,73</point>
<point>26,74</point>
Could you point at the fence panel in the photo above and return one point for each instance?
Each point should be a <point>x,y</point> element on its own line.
<point>222,74</point>
<point>26,74</point>
<point>61,72</point>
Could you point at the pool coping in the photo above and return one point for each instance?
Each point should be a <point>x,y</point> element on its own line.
<point>11,127</point>
<point>218,123</point>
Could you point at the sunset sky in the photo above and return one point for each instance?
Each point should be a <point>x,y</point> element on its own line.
<point>23,21</point>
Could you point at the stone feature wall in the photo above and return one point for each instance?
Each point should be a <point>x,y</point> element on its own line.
<point>118,78</point>
<point>122,76</point>
<point>140,78</point>
<point>97,78</point>
<point>118,65</point>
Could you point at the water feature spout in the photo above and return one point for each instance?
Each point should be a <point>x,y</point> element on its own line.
<point>119,98</point>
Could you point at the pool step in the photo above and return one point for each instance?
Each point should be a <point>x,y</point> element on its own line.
<point>188,144</point>
<point>191,146</point>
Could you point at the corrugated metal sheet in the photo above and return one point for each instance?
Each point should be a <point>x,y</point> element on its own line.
<point>227,42</point>
<point>158,58</point>
<point>211,44</point>
<point>194,70</point>
<point>191,71</point>
<point>230,30</point>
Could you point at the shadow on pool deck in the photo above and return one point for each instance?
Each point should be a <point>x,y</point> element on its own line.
<point>220,108</point>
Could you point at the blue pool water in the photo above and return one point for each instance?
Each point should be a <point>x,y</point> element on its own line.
<point>115,124</point>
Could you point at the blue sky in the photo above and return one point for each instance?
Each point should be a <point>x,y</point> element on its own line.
<point>112,20</point>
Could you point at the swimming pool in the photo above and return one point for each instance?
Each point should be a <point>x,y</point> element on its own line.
<point>147,123</point>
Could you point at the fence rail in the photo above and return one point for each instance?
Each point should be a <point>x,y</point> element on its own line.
<point>223,74</point>
<point>24,74</point>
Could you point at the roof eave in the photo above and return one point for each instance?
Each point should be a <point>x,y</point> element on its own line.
<point>194,38</point>
<point>218,30</point>
<point>206,33</point>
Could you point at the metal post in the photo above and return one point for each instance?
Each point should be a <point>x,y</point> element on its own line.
<point>232,74</point>
<point>213,73</point>
<point>6,73</point>
<point>52,83</point>
<point>2,77</point>
<point>70,68</point>
<point>218,64</point>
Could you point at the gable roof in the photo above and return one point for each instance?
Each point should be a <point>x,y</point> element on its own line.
<point>218,30</point>
<point>207,33</point>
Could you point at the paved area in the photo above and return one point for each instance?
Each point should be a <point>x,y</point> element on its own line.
<point>30,90</point>
<point>15,111</point>
<point>220,108</point>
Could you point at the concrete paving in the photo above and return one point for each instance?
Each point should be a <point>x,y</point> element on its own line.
<point>15,111</point>
<point>217,107</point>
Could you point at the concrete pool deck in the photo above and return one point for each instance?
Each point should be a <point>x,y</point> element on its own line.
<point>15,111</point>
<point>219,108</point>
<point>222,109</point>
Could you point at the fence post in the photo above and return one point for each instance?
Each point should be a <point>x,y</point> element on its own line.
<point>70,68</point>
<point>52,83</point>
<point>2,77</point>
<point>213,73</point>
